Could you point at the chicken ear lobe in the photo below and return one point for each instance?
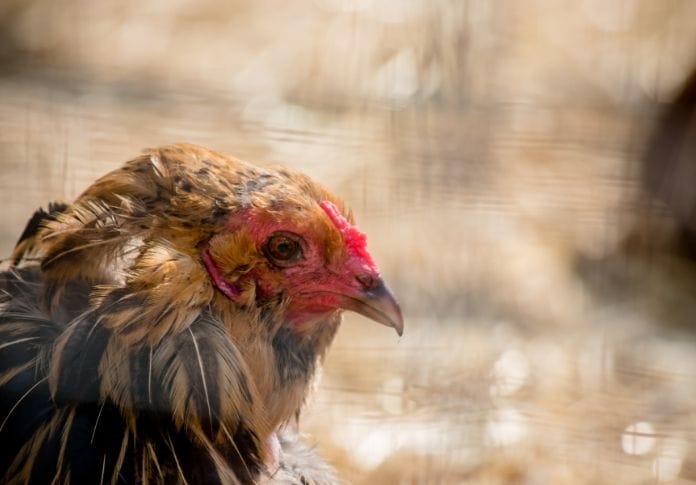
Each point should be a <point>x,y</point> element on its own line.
<point>227,257</point>
<point>229,289</point>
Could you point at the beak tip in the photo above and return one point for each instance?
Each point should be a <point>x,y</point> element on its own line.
<point>398,322</point>
<point>380,305</point>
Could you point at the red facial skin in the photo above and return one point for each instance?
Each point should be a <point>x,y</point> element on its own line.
<point>316,287</point>
<point>317,283</point>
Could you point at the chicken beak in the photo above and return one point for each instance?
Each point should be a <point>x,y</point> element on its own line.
<point>377,303</point>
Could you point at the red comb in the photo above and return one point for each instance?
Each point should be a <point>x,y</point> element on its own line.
<point>354,239</point>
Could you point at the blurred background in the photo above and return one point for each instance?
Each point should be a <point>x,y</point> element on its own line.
<point>525,170</point>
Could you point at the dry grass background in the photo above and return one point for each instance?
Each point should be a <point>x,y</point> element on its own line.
<point>492,151</point>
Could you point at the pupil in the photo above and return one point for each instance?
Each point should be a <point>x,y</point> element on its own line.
<point>282,249</point>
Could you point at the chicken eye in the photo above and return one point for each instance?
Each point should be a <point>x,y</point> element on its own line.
<point>283,249</point>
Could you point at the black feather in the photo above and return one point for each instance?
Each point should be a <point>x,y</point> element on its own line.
<point>36,222</point>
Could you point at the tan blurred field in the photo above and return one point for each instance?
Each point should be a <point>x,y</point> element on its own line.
<point>491,151</point>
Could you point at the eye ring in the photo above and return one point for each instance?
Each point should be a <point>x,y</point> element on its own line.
<point>283,248</point>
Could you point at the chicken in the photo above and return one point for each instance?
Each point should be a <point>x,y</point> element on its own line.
<point>172,326</point>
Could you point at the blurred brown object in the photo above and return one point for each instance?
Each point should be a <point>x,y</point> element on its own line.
<point>669,171</point>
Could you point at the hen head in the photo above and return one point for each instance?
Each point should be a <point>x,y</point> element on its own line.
<point>301,249</point>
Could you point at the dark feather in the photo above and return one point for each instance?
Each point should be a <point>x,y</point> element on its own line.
<point>174,391</point>
<point>26,241</point>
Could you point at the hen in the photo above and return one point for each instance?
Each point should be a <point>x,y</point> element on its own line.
<point>174,321</point>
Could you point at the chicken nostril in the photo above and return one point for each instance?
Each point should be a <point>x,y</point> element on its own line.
<point>368,281</point>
